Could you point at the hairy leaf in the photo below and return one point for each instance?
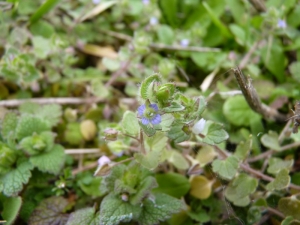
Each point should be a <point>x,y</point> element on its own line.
<point>240,188</point>
<point>160,209</point>
<point>282,180</point>
<point>13,181</point>
<point>51,161</point>
<point>277,164</point>
<point>9,124</point>
<point>150,160</point>
<point>144,190</point>
<point>243,149</point>
<point>214,133</point>
<point>149,131</point>
<point>114,210</point>
<point>166,121</point>
<point>146,85</point>
<point>270,140</point>
<point>86,216</point>
<point>29,124</point>
<point>50,211</point>
<point>226,168</point>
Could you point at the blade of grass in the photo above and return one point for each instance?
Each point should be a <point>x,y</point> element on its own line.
<point>217,21</point>
<point>44,8</point>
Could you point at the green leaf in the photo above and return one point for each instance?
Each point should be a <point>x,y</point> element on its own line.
<point>174,107</point>
<point>239,34</point>
<point>216,20</point>
<point>147,84</point>
<point>42,47</point>
<point>51,161</point>
<point>290,221</point>
<point>29,124</point>
<point>226,168</point>
<point>214,133</point>
<point>243,149</point>
<point>169,11</point>
<point>150,160</point>
<point>238,112</point>
<point>166,121</point>
<point>254,215</point>
<point>165,34</point>
<point>160,209</point>
<point>144,190</point>
<point>274,59</point>
<point>271,141</point>
<point>51,113</point>
<point>9,124</point>
<point>130,124</point>
<point>201,187</point>
<point>50,211</point>
<point>45,8</point>
<point>86,216</point>
<point>290,206</point>
<point>240,188</point>
<point>73,134</point>
<point>277,164</point>
<point>177,160</point>
<point>13,181</point>
<point>206,155</point>
<point>11,209</point>
<point>114,210</point>
<point>173,184</point>
<point>149,131</point>
<point>177,133</point>
<point>282,180</point>
<point>295,70</point>
<point>157,142</point>
<point>91,185</point>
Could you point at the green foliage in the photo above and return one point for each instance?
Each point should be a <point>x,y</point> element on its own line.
<point>289,206</point>
<point>282,180</point>
<point>130,124</point>
<point>11,209</point>
<point>50,211</point>
<point>270,140</point>
<point>226,168</point>
<point>86,216</point>
<point>243,149</point>
<point>172,184</point>
<point>240,188</point>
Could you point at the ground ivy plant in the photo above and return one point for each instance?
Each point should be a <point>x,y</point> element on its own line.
<point>27,142</point>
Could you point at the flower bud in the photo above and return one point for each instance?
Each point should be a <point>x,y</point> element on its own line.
<point>88,129</point>
<point>110,134</point>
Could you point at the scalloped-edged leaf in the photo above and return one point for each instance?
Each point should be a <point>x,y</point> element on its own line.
<point>146,85</point>
<point>150,160</point>
<point>130,124</point>
<point>282,180</point>
<point>149,131</point>
<point>243,149</point>
<point>201,187</point>
<point>29,124</point>
<point>51,161</point>
<point>144,190</point>
<point>50,211</point>
<point>13,181</point>
<point>114,210</point>
<point>226,168</point>
<point>270,140</point>
<point>290,206</point>
<point>173,184</point>
<point>86,216</point>
<point>214,133</point>
<point>51,113</point>
<point>277,164</point>
<point>160,209</point>
<point>240,188</point>
<point>9,124</point>
<point>11,209</point>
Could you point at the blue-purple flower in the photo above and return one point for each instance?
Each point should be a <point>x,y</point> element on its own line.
<point>185,42</point>
<point>281,24</point>
<point>149,114</point>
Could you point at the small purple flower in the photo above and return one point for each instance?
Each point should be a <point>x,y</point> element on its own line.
<point>184,42</point>
<point>281,24</point>
<point>103,160</point>
<point>146,2</point>
<point>153,21</point>
<point>150,114</point>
